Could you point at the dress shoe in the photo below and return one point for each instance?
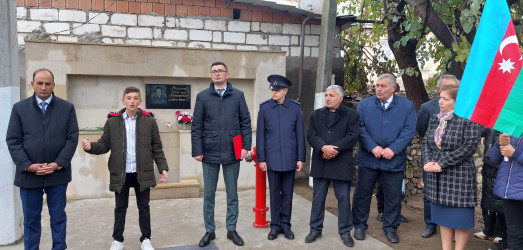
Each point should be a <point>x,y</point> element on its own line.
<point>273,234</point>
<point>235,238</point>
<point>428,232</point>
<point>347,240</point>
<point>403,219</point>
<point>359,234</point>
<point>392,237</point>
<point>206,239</point>
<point>312,237</point>
<point>288,234</point>
<point>379,217</point>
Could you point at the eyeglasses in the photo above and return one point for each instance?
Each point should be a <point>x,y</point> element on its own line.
<point>218,71</point>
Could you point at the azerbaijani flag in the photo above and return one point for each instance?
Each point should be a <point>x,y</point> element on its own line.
<point>491,90</point>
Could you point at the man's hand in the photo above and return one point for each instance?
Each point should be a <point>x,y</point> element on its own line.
<point>47,168</point>
<point>164,176</point>
<point>504,139</point>
<point>507,150</point>
<point>387,153</point>
<point>377,152</point>
<point>86,144</point>
<point>263,166</point>
<point>299,165</point>
<point>329,151</point>
<point>198,157</point>
<point>244,153</point>
<point>35,167</point>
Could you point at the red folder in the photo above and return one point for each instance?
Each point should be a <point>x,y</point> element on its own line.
<point>237,142</point>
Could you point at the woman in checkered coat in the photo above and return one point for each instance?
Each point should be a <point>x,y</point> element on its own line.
<point>447,149</point>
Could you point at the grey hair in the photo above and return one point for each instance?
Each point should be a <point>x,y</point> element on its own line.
<point>391,77</point>
<point>339,90</point>
<point>447,77</point>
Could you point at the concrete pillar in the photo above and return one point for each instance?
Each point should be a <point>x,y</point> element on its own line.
<point>324,71</point>
<point>10,206</point>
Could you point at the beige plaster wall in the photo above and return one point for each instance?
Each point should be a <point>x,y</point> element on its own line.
<point>93,76</point>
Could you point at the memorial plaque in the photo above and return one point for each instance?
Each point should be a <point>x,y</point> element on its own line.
<point>164,96</point>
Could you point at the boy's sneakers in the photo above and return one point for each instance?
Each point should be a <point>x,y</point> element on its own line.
<point>496,240</point>
<point>116,245</point>
<point>146,245</point>
<point>482,236</point>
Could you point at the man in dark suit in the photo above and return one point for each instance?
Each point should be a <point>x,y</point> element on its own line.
<point>220,114</point>
<point>333,133</point>
<point>387,124</point>
<point>427,110</point>
<point>280,148</point>
<point>42,136</point>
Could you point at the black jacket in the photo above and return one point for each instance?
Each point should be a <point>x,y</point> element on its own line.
<point>343,132</point>
<point>33,138</point>
<point>217,120</point>
<point>148,148</point>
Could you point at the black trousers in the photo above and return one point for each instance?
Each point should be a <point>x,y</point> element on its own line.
<point>514,218</point>
<point>281,186</point>
<point>494,224</point>
<point>122,201</point>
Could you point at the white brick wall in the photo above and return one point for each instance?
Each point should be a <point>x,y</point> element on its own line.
<point>200,35</point>
<point>234,37</point>
<point>140,33</point>
<point>44,14</point>
<point>258,39</point>
<point>99,18</point>
<point>215,25</point>
<point>175,34</point>
<point>163,31</point>
<point>113,31</point>
<point>239,26</point>
<point>279,40</point>
<point>72,16</point>
<point>190,23</point>
<point>57,28</point>
<point>21,12</point>
<point>28,26</point>
<point>147,20</point>
<point>124,19</point>
<point>80,28</point>
<point>271,27</point>
<point>290,28</point>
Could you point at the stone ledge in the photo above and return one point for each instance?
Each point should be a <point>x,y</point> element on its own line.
<point>187,188</point>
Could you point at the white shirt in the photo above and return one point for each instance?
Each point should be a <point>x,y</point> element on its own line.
<point>223,91</point>
<point>130,133</point>
<point>387,103</point>
<point>48,101</point>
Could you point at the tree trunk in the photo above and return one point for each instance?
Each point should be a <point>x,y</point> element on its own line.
<point>406,58</point>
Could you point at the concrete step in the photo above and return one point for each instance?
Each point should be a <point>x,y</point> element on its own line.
<point>186,188</point>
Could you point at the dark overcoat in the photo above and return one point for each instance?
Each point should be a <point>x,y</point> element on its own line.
<point>342,132</point>
<point>425,112</point>
<point>455,185</point>
<point>217,120</point>
<point>33,138</point>
<point>280,136</point>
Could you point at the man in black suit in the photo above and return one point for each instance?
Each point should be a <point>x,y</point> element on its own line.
<point>427,110</point>
<point>333,133</point>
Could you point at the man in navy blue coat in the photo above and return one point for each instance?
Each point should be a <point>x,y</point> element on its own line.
<point>427,110</point>
<point>280,148</point>
<point>387,124</point>
<point>42,137</point>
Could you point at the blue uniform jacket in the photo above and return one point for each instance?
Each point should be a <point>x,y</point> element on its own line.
<point>280,137</point>
<point>393,128</point>
<point>509,181</point>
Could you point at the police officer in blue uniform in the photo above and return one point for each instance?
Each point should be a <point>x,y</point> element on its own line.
<point>280,148</point>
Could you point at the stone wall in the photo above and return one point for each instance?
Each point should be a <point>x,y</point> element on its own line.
<point>281,32</point>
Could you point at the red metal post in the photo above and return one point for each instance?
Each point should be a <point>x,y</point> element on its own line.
<point>260,209</point>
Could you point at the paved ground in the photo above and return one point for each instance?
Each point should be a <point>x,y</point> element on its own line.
<point>178,224</point>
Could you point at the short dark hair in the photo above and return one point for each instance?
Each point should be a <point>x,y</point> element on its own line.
<point>451,90</point>
<point>131,90</point>
<point>42,69</point>
<point>160,88</point>
<point>219,63</point>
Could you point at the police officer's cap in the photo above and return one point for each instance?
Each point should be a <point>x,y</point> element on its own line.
<point>277,82</point>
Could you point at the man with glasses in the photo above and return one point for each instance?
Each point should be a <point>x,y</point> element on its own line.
<point>220,114</point>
